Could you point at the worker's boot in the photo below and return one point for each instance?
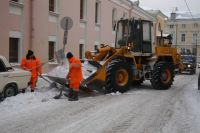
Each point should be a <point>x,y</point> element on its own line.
<point>32,90</point>
<point>74,96</point>
<point>69,94</point>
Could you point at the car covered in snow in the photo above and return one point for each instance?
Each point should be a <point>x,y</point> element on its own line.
<point>12,80</point>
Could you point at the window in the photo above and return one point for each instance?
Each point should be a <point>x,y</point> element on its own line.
<point>81,51</point>
<point>52,5</point>
<point>97,12</point>
<point>194,38</point>
<point>96,47</point>
<point>173,38</point>
<point>13,50</point>
<point>183,26</point>
<point>82,9</point>
<point>146,31</point>
<point>182,37</point>
<point>15,0</point>
<point>51,51</point>
<point>171,26</point>
<point>195,25</point>
<point>114,17</point>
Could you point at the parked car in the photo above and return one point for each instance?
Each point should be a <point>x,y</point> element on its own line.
<point>189,62</point>
<point>198,64</point>
<point>12,80</point>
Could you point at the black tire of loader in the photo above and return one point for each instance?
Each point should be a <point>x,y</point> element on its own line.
<point>156,80</point>
<point>111,70</point>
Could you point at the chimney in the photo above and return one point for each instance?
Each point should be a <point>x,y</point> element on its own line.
<point>173,16</point>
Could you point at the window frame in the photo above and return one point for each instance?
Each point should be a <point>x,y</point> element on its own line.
<point>81,50</point>
<point>83,9</point>
<point>183,37</point>
<point>17,1</point>
<point>16,55</point>
<point>114,17</point>
<point>49,51</point>
<point>195,25</point>
<point>194,39</point>
<point>183,26</point>
<point>97,12</point>
<point>171,26</point>
<point>54,6</point>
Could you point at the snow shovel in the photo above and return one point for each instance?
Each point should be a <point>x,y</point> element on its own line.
<point>62,81</point>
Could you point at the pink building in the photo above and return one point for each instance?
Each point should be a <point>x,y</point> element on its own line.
<point>35,24</point>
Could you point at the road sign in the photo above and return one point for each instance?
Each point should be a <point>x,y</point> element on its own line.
<point>66,23</point>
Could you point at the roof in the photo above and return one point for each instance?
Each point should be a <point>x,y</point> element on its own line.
<point>185,15</point>
<point>155,13</point>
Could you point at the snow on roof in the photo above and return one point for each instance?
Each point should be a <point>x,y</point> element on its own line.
<point>185,15</point>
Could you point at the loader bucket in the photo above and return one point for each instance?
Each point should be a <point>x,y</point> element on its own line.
<point>96,80</point>
<point>61,81</point>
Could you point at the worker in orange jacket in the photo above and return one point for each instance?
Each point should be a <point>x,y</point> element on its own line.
<point>32,64</point>
<point>74,76</point>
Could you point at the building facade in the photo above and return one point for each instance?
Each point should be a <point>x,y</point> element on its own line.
<point>35,24</point>
<point>185,32</point>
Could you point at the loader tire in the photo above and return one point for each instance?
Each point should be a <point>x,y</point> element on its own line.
<point>162,76</point>
<point>118,76</point>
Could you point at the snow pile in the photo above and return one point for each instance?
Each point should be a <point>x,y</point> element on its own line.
<point>29,100</point>
<point>115,93</point>
<point>61,71</point>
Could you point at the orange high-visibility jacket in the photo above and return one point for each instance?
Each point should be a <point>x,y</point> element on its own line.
<point>34,66</point>
<point>75,73</point>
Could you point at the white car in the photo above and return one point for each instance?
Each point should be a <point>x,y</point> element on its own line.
<point>12,80</point>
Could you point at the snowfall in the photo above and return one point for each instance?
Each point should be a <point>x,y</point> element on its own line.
<point>140,110</point>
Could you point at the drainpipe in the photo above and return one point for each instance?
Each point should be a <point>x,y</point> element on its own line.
<point>31,24</point>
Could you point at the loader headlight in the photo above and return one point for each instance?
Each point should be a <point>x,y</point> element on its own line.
<point>129,46</point>
<point>189,65</point>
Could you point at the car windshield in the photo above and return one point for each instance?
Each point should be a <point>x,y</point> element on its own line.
<point>188,59</point>
<point>2,66</point>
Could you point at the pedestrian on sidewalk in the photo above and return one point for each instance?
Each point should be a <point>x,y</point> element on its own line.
<point>32,64</point>
<point>74,76</point>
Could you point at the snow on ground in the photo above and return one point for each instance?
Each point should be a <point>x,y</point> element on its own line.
<point>42,94</point>
<point>139,110</point>
<point>28,100</point>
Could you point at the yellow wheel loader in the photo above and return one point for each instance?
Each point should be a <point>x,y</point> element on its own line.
<point>131,61</point>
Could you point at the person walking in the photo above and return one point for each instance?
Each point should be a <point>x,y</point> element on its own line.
<point>74,76</point>
<point>32,64</point>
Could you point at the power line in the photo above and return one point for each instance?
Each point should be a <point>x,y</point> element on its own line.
<point>189,9</point>
<point>194,21</point>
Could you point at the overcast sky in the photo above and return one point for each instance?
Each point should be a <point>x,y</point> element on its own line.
<point>169,5</point>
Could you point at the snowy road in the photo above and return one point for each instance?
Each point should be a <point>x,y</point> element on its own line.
<point>140,110</point>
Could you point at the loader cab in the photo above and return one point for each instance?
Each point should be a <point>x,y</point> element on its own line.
<point>134,31</point>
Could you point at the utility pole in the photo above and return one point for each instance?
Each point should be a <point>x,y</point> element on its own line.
<point>176,26</point>
<point>196,47</point>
